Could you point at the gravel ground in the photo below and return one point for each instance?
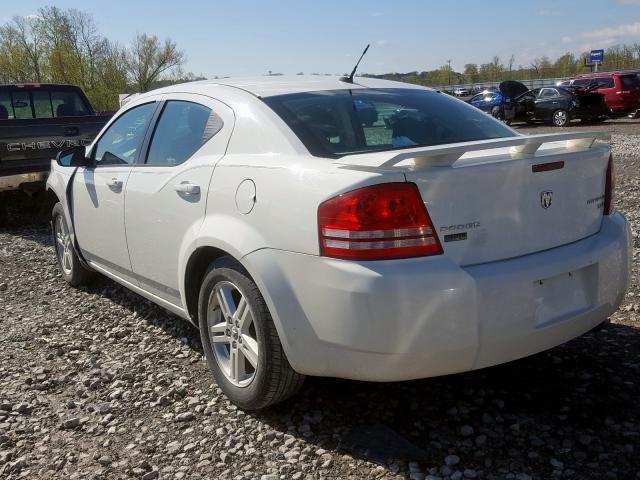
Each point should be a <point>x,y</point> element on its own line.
<point>99,383</point>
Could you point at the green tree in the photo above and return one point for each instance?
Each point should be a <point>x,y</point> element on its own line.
<point>471,74</point>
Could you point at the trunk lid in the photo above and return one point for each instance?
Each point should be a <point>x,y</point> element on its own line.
<point>494,200</point>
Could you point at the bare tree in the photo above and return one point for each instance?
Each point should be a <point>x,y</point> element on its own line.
<point>23,49</point>
<point>536,66</point>
<point>149,59</point>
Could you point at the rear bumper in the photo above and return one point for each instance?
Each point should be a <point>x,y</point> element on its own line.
<point>417,318</point>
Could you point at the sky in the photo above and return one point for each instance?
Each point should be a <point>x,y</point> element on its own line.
<point>241,38</point>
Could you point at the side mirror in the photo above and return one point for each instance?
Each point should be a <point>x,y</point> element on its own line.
<point>73,157</point>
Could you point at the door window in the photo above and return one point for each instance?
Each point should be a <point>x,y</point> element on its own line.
<point>42,104</point>
<point>549,93</point>
<point>22,105</point>
<point>6,109</point>
<point>604,82</point>
<point>582,82</point>
<point>182,129</point>
<point>121,142</point>
<point>68,104</point>
<point>629,81</point>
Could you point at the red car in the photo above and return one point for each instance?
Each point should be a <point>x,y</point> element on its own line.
<point>621,90</point>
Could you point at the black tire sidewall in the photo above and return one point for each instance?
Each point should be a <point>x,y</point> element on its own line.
<point>253,395</point>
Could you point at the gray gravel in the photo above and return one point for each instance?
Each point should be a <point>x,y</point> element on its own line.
<point>99,383</point>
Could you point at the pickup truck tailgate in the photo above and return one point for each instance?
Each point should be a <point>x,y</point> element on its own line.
<point>27,146</point>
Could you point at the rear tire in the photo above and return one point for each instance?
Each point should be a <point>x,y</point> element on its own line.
<point>72,270</point>
<point>560,118</point>
<point>240,341</point>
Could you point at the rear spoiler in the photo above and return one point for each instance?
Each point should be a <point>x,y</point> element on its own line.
<point>446,155</point>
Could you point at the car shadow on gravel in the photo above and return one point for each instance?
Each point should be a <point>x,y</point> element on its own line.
<point>568,404</point>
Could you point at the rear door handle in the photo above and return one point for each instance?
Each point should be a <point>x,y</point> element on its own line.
<point>71,131</point>
<point>187,188</point>
<point>114,184</point>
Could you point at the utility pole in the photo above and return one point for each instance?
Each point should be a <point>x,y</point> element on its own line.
<point>449,63</point>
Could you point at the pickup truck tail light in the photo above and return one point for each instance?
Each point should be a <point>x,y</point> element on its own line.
<point>609,188</point>
<point>383,221</point>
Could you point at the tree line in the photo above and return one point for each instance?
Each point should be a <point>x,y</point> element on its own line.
<point>619,57</point>
<point>66,46</point>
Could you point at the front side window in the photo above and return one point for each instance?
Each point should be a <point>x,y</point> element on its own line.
<point>122,141</point>
<point>68,104</point>
<point>582,82</point>
<point>334,123</point>
<point>606,82</point>
<point>182,129</point>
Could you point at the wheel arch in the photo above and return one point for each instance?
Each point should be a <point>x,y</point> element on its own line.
<point>196,266</point>
<point>51,197</point>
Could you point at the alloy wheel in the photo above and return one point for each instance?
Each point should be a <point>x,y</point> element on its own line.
<point>232,333</point>
<point>63,245</point>
<point>560,118</point>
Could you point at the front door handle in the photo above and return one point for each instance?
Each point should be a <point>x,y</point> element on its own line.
<point>187,188</point>
<point>114,184</point>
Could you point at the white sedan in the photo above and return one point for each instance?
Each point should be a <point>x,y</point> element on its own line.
<point>303,239</point>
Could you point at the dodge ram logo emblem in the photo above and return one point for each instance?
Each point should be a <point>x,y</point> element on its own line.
<point>545,199</point>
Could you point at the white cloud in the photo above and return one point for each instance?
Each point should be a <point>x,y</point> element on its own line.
<point>606,36</point>
<point>381,42</point>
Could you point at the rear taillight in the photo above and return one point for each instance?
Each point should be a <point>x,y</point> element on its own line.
<point>378,222</point>
<point>609,188</point>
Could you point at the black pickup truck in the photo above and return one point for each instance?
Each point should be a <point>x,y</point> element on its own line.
<point>36,122</point>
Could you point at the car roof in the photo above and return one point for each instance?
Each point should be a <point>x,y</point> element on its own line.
<point>269,86</point>
<point>606,74</point>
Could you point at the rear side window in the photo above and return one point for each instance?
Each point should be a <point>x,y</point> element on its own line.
<point>629,81</point>
<point>42,104</point>
<point>549,93</point>
<point>334,123</point>
<point>182,129</point>
<point>6,110</point>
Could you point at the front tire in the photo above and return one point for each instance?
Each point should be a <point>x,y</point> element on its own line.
<point>240,341</point>
<point>72,270</point>
<point>560,118</point>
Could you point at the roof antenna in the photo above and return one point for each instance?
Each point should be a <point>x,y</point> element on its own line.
<point>349,79</point>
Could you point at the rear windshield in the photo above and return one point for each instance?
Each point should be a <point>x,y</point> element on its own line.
<point>334,123</point>
<point>34,103</point>
<point>629,81</point>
